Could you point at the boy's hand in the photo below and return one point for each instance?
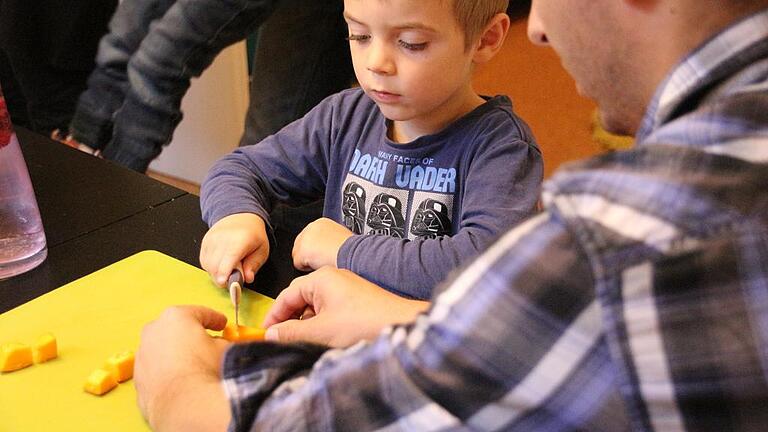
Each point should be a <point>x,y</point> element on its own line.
<point>235,239</point>
<point>318,244</point>
<point>336,308</point>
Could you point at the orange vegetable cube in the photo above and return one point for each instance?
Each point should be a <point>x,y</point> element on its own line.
<point>242,333</point>
<point>230,332</point>
<point>246,333</point>
<point>14,356</point>
<point>99,382</point>
<point>45,349</point>
<point>121,366</point>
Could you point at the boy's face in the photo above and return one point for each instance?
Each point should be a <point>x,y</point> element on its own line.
<point>410,58</point>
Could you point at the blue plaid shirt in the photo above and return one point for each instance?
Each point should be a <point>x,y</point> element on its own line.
<point>637,300</point>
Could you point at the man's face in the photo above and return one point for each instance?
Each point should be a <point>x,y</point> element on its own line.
<point>594,48</point>
<point>409,56</point>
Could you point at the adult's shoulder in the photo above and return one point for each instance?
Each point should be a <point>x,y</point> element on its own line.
<point>681,185</point>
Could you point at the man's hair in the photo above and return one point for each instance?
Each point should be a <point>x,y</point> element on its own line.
<point>473,15</point>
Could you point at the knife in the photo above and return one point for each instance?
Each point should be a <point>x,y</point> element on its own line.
<point>235,286</point>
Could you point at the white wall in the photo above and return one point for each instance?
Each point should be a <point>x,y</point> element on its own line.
<point>214,112</point>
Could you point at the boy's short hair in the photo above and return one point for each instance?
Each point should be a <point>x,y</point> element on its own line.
<point>473,15</point>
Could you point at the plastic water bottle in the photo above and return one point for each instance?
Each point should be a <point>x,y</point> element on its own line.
<point>22,239</point>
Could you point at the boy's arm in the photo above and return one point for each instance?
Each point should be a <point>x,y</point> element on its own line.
<point>501,189</point>
<point>289,167</point>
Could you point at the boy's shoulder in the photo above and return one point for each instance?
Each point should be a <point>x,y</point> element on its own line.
<point>498,107</point>
<point>497,115</point>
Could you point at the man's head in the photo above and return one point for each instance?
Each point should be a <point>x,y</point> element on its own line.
<point>413,59</point>
<point>619,51</point>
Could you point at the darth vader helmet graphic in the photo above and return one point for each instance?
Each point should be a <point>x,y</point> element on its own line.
<point>386,216</point>
<point>431,220</point>
<point>353,207</point>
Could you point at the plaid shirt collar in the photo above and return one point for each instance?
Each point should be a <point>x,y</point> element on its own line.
<point>716,59</point>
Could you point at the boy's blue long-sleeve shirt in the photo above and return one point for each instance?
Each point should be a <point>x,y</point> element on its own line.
<point>435,202</point>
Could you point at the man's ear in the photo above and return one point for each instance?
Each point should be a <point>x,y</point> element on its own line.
<point>492,38</point>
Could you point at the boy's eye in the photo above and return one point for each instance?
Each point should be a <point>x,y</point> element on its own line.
<point>358,37</point>
<point>412,46</point>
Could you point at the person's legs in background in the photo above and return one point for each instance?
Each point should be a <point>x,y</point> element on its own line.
<point>14,98</point>
<point>49,48</point>
<point>50,92</point>
<point>92,121</point>
<point>301,57</point>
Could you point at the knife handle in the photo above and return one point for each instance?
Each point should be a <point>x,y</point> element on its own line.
<point>235,286</point>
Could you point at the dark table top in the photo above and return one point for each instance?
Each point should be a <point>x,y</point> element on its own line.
<point>78,193</point>
<point>96,213</point>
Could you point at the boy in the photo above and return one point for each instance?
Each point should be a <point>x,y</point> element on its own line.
<point>414,156</point>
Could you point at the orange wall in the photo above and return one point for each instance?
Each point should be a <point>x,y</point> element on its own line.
<point>544,95</point>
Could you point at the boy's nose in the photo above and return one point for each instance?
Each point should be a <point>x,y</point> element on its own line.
<point>380,60</point>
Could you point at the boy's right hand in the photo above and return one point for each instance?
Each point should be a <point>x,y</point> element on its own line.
<point>236,239</point>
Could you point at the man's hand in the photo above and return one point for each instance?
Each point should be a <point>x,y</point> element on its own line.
<point>318,244</point>
<point>336,308</point>
<point>235,239</point>
<point>177,372</point>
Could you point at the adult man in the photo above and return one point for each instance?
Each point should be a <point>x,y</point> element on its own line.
<point>637,300</point>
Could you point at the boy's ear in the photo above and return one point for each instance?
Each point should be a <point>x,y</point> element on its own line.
<point>492,38</point>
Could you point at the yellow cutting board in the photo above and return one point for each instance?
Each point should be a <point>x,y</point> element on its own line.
<point>92,318</point>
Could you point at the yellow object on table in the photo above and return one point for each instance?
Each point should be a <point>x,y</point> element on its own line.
<point>120,366</point>
<point>242,333</point>
<point>14,356</point>
<point>94,317</point>
<point>99,382</point>
<point>45,349</point>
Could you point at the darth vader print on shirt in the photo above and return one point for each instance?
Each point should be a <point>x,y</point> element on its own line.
<point>353,207</point>
<point>431,220</point>
<point>383,197</point>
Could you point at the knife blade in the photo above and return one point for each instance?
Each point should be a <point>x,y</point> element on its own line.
<point>235,286</point>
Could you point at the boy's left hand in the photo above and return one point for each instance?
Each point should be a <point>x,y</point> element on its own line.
<point>318,244</point>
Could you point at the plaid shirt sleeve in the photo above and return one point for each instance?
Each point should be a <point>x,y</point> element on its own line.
<point>513,339</point>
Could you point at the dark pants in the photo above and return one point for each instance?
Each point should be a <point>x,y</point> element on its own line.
<point>301,58</point>
<point>48,49</point>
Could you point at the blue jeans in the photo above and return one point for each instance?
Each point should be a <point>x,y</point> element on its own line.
<point>144,67</point>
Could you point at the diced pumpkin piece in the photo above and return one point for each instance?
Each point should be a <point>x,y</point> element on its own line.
<point>230,332</point>
<point>121,366</point>
<point>99,382</point>
<point>251,333</point>
<point>242,333</point>
<point>45,349</point>
<point>14,356</point>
